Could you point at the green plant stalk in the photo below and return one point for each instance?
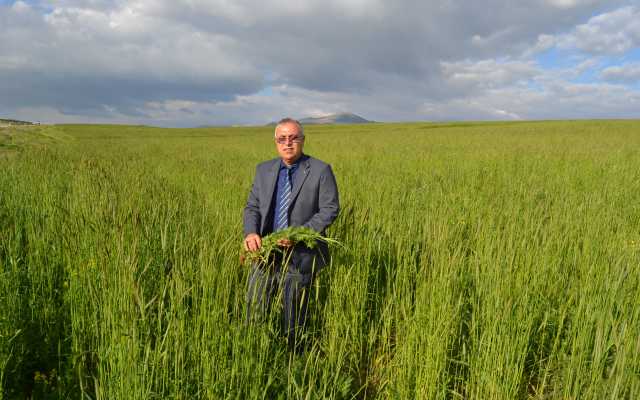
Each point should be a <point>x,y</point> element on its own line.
<point>295,234</point>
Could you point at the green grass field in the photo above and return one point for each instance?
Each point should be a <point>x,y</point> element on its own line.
<point>482,261</point>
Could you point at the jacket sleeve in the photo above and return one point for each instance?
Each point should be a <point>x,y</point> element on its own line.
<point>251,216</point>
<point>328,202</point>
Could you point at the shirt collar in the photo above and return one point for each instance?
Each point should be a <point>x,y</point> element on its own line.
<point>293,166</point>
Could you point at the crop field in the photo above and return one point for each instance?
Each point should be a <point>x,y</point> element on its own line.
<point>480,261</point>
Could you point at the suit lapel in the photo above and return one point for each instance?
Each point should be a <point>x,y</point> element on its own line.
<point>300,178</point>
<point>271,180</point>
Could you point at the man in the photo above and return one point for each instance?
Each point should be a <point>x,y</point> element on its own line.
<point>291,190</point>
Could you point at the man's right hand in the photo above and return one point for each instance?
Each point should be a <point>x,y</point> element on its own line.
<point>252,242</point>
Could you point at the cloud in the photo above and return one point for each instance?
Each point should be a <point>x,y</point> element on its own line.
<point>614,32</point>
<point>488,74</point>
<point>627,73</point>
<point>81,60</point>
<point>566,4</point>
<point>557,100</point>
<point>185,62</point>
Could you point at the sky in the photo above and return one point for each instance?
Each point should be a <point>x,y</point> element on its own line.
<point>223,62</point>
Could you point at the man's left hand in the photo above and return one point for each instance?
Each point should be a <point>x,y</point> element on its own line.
<point>286,243</point>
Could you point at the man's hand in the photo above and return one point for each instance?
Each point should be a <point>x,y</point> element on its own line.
<point>252,242</point>
<point>286,243</point>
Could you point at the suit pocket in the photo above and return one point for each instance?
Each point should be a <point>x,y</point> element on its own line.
<point>305,259</point>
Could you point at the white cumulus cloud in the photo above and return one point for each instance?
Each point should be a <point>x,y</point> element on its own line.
<point>627,73</point>
<point>614,32</point>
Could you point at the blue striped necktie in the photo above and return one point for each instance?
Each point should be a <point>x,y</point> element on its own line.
<point>285,200</point>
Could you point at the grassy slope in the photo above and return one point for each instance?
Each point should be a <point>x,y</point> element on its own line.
<point>485,260</point>
<point>15,137</point>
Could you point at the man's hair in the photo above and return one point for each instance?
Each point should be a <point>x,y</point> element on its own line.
<point>290,121</point>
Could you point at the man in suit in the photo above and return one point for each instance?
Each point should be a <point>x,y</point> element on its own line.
<point>292,190</point>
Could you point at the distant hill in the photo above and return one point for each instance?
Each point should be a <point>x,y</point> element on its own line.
<point>14,122</point>
<point>340,118</point>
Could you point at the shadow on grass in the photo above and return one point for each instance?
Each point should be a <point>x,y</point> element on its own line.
<point>40,365</point>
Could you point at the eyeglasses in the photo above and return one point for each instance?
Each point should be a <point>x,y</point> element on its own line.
<point>292,139</point>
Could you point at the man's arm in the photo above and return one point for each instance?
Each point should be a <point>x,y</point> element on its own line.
<point>328,202</point>
<point>251,217</point>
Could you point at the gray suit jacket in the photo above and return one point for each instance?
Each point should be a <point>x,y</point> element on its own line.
<point>314,204</point>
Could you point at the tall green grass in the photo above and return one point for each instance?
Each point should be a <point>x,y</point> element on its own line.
<point>482,261</point>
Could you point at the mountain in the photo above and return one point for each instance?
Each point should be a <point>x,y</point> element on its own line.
<point>340,118</point>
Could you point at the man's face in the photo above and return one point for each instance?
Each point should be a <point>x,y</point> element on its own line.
<point>289,143</point>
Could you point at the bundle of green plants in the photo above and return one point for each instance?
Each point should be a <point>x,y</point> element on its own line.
<point>271,244</point>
